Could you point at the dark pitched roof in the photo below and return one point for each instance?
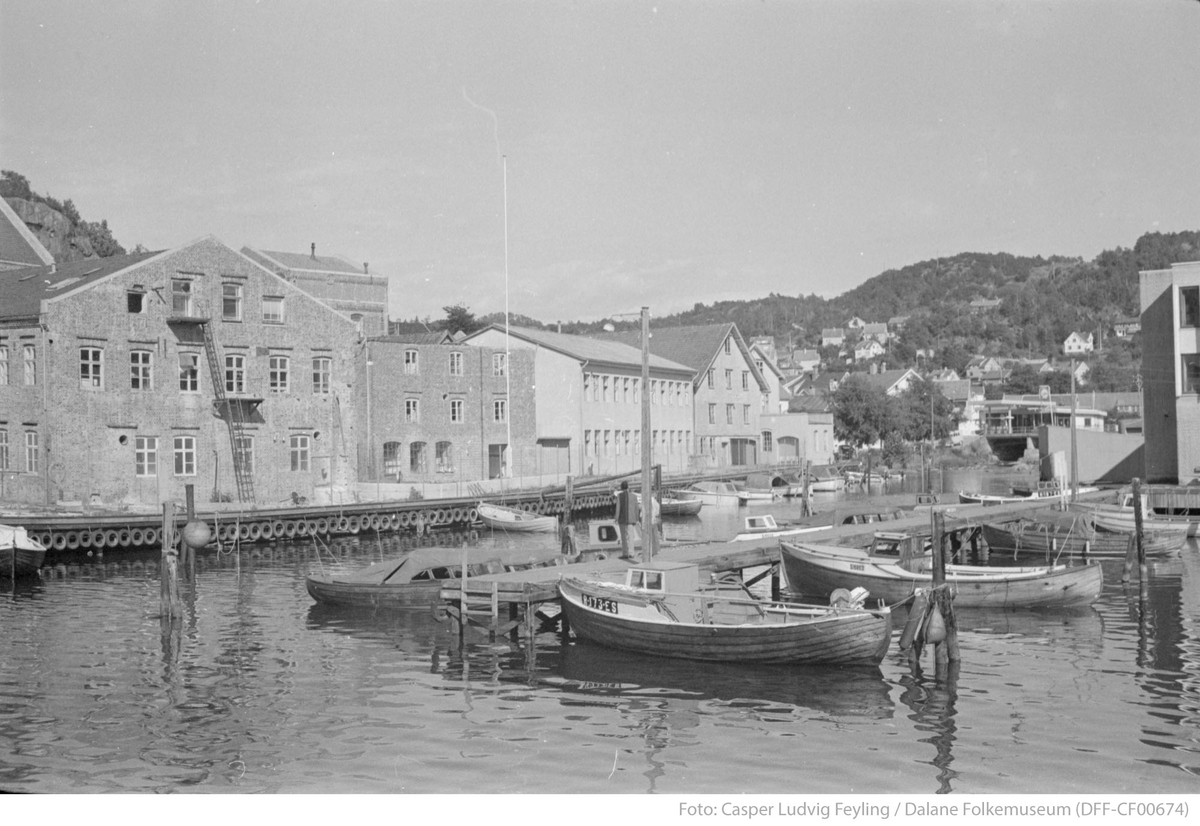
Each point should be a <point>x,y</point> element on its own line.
<point>19,247</point>
<point>22,291</point>
<point>695,346</point>
<point>423,337</point>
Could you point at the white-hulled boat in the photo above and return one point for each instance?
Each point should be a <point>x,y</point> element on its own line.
<point>504,518</point>
<point>825,479</point>
<point>662,609</point>
<point>712,493</point>
<point>765,527</point>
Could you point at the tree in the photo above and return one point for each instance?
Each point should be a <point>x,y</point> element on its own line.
<point>460,320</point>
<point>862,412</point>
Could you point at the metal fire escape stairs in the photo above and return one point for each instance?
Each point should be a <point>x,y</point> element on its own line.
<point>232,410</point>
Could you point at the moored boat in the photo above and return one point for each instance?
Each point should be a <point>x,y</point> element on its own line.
<point>20,554</point>
<point>712,493</point>
<point>825,479</point>
<point>895,566</point>
<point>504,518</point>
<point>1119,517</point>
<point>1062,535</point>
<point>661,609</point>
<point>1043,491</point>
<point>765,527</point>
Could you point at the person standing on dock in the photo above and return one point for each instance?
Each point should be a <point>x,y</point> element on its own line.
<point>627,518</point>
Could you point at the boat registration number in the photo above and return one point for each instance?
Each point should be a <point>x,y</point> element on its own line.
<point>599,603</point>
<point>854,566</point>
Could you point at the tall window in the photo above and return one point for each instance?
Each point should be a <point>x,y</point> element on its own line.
<point>456,411</point>
<point>277,375</point>
<point>30,357</point>
<point>31,451</point>
<point>185,455</point>
<point>416,457</point>
<point>145,456</point>
<point>141,376</point>
<point>712,413</point>
<point>411,364</point>
<point>1189,306</point>
<point>711,380</point>
<point>729,414</point>
<point>298,448</point>
<point>745,414</point>
<point>728,346</point>
<point>412,410</point>
<point>3,450</point>
<point>235,374</point>
<point>231,302</point>
<point>499,364</point>
<point>391,459</point>
<point>322,370</point>
<point>3,366</point>
<point>745,379</point>
<point>728,379</point>
<point>91,367</point>
<point>1191,372</point>
<point>189,372</point>
<point>181,297</point>
<point>245,446</point>
<point>456,364</point>
<point>444,457</point>
<point>499,410</point>
<point>272,309</point>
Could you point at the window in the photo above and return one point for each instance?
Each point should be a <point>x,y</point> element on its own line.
<point>745,379</point>
<point>189,372</point>
<point>245,446</point>
<point>185,455</point>
<point>729,414</point>
<point>141,376</point>
<point>625,390</point>
<point>91,367</point>
<point>712,414</point>
<point>31,451</point>
<point>322,369</point>
<point>30,356</point>
<point>1191,372</point>
<point>298,452</point>
<point>711,380</point>
<point>456,411</point>
<point>499,364</point>
<point>412,410</point>
<point>145,455</point>
<point>3,366</point>
<point>135,301</point>
<point>1189,306</point>
<point>444,457</point>
<point>416,457</point>
<point>231,302</point>
<point>411,365</point>
<point>3,450</point>
<point>181,297</point>
<point>728,346</point>
<point>456,364</point>
<point>391,459</point>
<point>728,379</point>
<point>604,388</point>
<point>499,410</point>
<point>272,309</point>
<point>277,375</point>
<point>745,414</point>
<point>235,374</point>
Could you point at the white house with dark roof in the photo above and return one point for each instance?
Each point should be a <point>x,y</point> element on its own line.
<point>350,289</point>
<point>1076,344</point>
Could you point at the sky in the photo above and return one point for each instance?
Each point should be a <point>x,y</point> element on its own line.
<point>579,160</point>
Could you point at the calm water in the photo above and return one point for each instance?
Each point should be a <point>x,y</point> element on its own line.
<point>261,690</point>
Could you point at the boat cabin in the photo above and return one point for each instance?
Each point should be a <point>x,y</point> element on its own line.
<point>896,546</point>
<point>664,577</point>
<point>757,524</point>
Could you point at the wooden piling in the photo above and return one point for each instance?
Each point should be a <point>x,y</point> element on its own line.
<point>170,604</point>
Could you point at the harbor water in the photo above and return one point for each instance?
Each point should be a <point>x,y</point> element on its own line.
<point>259,689</point>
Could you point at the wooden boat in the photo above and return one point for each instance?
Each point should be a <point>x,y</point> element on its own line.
<point>20,554</point>
<point>1042,492</point>
<point>414,579</point>
<point>661,609</point>
<point>746,495</point>
<point>1119,516</point>
<point>825,479</point>
<point>712,493</point>
<point>765,527</point>
<point>766,485</point>
<point>895,565</point>
<point>504,518</point>
<point>1062,535</point>
<point>670,505</point>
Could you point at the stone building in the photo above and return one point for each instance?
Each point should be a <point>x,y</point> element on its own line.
<point>124,379</point>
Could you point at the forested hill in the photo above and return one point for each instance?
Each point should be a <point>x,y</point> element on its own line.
<point>1042,300</point>
<point>57,224</point>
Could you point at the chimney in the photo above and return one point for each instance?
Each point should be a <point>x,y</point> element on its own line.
<point>314,252</point>
<point>366,267</point>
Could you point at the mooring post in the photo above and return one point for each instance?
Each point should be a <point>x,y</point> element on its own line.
<point>806,510</point>
<point>1137,533</point>
<point>170,604</point>
<point>946,648</point>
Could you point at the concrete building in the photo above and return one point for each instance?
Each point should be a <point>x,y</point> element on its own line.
<point>124,379</point>
<point>587,404</point>
<point>1170,302</point>
<point>438,413</point>
<point>346,287</point>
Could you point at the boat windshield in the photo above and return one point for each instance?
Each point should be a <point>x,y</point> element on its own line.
<point>648,580</point>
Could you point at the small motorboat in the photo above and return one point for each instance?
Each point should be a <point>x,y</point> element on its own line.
<point>504,518</point>
<point>825,479</point>
<point>662,609</point>
<point>20,554</point>
<point>765,527</point>
<point>712,493</point>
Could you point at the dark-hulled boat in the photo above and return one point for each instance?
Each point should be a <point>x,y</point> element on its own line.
<point>1063,535</point>
<point>661,609</point>
<point>20,554</point>
<point>895,566</point>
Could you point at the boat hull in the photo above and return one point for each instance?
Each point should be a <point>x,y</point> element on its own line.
<point>681,507</point>
<point>812,570</point>
<point>853,637</point>
<point>21,561</point>
<point>364,595</point>
<point>1118,519</point>
<point>1039,539</point>
<point>516,521</point>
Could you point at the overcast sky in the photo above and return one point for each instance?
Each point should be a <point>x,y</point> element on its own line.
<point>657,153</point>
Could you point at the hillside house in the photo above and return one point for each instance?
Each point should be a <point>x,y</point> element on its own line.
<point>981,306</point>
<point>1127,327</point>
<point>868,349</point>
<point>833,337</point>
<point>1077,344</point>
<point>878,332</point>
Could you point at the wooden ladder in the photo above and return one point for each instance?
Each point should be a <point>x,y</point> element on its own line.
<point>232,412</point>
